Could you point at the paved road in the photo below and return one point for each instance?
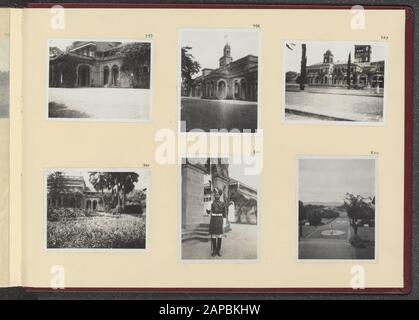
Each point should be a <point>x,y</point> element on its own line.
<point>104,103</point>
<point>344,107</point>
<point>317,245</point>
<point>340,225</point>
<point>239,244</point>
<point>208,114</point>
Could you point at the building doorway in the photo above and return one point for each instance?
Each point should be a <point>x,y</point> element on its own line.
<point>83,76</point>
<point>236,90</point>
<point>222,89</point>
<point>105,76</point>
<point>243,89</point>
<point>115,76</point>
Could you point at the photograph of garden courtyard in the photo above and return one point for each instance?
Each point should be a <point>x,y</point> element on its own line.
<point>99,80</point>
<point>336,208</point>
<point>96,209</point>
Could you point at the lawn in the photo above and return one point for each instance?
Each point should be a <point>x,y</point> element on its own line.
<point>125,231</point>
<point>219,114</point>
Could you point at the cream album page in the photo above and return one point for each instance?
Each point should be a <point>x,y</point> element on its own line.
<point>216,148</point>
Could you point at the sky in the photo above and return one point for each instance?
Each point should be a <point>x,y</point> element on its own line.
<point>141,184</point>
<point>62,44</point>
<point>237,171</point>
<point>340,51</point>
<point>4,52</point>
<point>328,180</point>
<point>207,45</point>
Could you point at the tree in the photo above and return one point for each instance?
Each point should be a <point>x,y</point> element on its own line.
<point>56,185</point>
<point>135,56</point>
<point>189,67</point>
<point>358,209</point>
<point>119,183</point>
<point>348,72</point>
<point>302,216</point>
<point>303,71</point>
<point>99,181</point>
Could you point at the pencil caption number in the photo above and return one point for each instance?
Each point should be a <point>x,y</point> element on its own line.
<point>149,36</point>
<point>256,25</point>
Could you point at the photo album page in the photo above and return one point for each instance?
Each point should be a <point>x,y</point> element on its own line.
<point>203,149</point>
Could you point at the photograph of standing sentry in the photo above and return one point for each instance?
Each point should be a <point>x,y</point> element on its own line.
<point>99,80</point>
<point>219,80</point>
<point>334,81</point>
<point>219,210</point>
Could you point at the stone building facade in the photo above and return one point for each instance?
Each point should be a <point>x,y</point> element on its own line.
<point>363,72</point>
<point>197,195</point>
<point>76,195</point>
<point>96,64</point>
<point>235,80</point>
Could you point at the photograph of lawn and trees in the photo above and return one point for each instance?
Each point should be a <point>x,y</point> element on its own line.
<point>96,209</point>
<point>336,209</point>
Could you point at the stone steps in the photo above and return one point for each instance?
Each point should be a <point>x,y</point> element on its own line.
<point>201,233</point>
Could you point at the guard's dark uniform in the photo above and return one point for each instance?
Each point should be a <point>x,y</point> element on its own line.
<point>218,212</point>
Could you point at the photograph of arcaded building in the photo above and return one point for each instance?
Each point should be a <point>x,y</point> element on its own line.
<point>99,64</point>
<point>107,80</point>
<point>236,80</point>
<point>219,80</point>
<point>363,71</point>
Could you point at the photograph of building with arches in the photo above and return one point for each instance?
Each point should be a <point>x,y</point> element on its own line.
<point>219,210</point>
<point>219,79</point>
<point>94,209</point>
<point>319,87</point>
<point>108,80</point>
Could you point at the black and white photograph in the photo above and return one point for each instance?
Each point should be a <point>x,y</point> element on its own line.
<point>4,63</point>
<point>100,80</point>
<point>96,209</point>
<point>336,208</point>
<point>335,81</point>
<point>219,210</point>
<point>219,80</point>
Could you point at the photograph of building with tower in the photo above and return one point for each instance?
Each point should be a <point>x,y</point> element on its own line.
<point>334,81</point>
<point>219,210</point>
<point>108,80</point>
<point>219,79</point>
